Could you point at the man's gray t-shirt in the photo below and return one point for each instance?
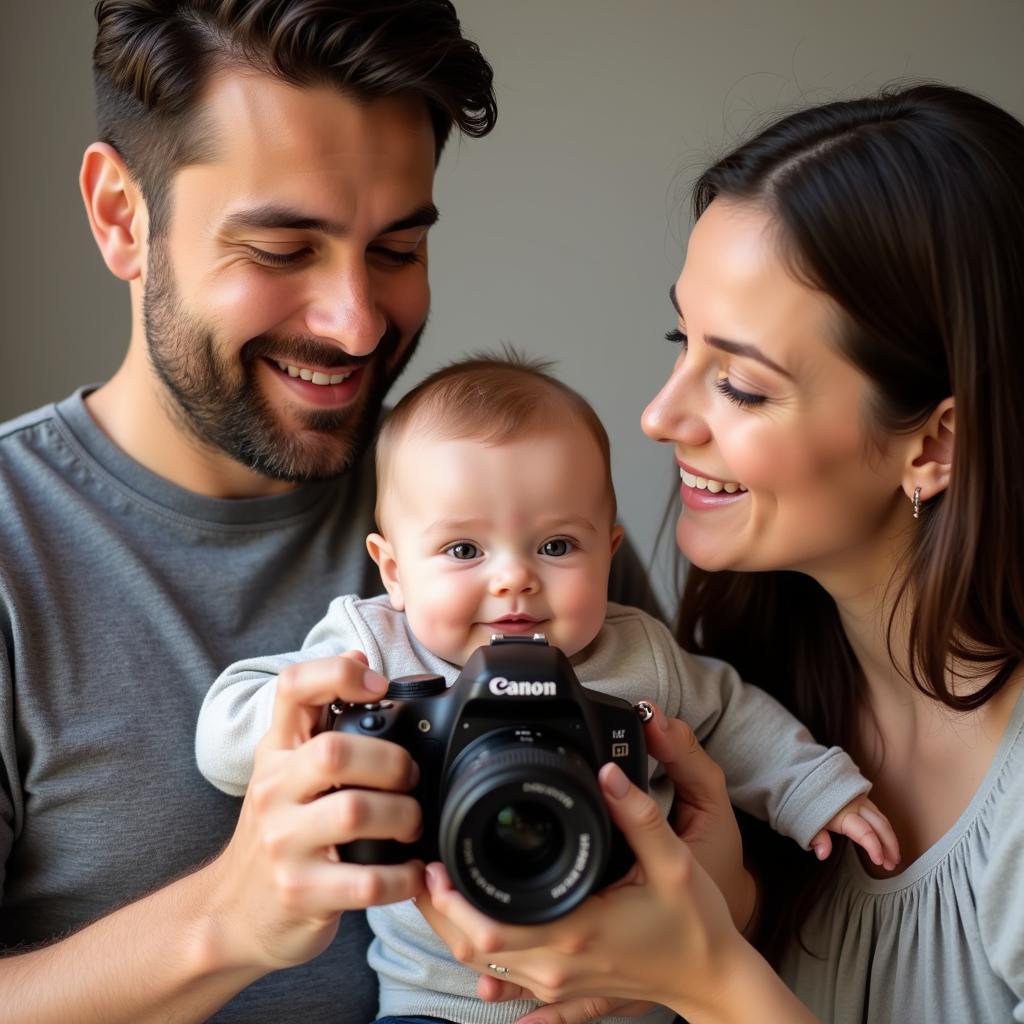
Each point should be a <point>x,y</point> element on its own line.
<point>122,597</point>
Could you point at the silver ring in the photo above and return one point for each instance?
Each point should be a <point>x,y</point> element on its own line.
<point>499,970</point>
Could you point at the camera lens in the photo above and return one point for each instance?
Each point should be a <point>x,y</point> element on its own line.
<point>523,830</point>
<point>523,838</point>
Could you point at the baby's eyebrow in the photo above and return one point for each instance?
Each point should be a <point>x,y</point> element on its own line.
<point>453,525</point>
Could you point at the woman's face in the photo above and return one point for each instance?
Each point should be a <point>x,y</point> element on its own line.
<point>767,419</point>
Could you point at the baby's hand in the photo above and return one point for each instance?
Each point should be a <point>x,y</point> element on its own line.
<point>868,827</point>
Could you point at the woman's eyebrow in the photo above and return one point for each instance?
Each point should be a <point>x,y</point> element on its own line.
<point>750,351</point>
<point>738,348</point>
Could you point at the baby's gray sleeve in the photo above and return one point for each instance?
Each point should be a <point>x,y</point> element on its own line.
<point>238,708</point>
<point>773,767</point>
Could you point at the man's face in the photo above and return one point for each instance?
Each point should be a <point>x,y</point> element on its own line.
<point>291,286</point>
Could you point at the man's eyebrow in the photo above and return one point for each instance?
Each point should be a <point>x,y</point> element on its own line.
<point>272,217</point>
<point>735,347</point>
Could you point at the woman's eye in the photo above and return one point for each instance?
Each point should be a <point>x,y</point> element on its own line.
<point>556,548</point>
<point>276,259</point>
<point>463,551</point>
<point>677,337</point>
<point>740,398</point>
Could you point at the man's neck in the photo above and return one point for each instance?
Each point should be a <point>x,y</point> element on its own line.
<point>133,412</point>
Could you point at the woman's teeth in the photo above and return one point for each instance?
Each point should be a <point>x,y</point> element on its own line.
<point>704,484</point>
<point>314,376</point>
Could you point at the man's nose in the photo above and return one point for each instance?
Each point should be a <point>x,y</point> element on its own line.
<point>344,309</point>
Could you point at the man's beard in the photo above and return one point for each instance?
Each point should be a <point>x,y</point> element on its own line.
<point>219,403</point>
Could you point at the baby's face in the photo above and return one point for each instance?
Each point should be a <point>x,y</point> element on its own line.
<point>515,538</point>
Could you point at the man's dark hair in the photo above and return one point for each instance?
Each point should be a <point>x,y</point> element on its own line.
<point>153,59</point>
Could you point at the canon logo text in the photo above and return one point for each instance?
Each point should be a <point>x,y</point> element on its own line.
<point>502,687</point>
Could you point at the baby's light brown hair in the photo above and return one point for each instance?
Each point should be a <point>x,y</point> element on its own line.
<point>492,399</point>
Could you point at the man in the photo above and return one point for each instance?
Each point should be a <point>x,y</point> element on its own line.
<point>264,185</point>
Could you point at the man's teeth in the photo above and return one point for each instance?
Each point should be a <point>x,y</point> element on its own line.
<point>704,484</point>
<point>314,376</point>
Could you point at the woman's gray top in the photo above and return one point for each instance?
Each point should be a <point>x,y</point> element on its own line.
<point>941,942</point>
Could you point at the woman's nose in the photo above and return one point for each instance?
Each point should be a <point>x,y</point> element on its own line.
<point>672,415</point>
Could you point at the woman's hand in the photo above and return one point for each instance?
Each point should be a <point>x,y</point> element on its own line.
<point>703,816</point>
<point>664,934</point>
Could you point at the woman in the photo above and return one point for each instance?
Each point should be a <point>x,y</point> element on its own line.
<point>850,315</point>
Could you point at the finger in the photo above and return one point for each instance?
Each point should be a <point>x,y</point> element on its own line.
<point>658,849</point>
<point>880,823</point>
<point>581,1010</point>
<point>821,844</point>
<point>854,826</point>
<point>469,934</point>
<point>695,775</point>
<point>333,759</point>
<point>304,688</point>
<point>329,888</point>
<point>349,814</point>
<point>494,990</point>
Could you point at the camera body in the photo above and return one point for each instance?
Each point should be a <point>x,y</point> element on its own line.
<point>508,757</point>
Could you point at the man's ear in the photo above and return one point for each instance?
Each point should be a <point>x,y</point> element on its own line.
<point>618,532</point>
<point>929,462</point>
<point>382,553</point>
<point>116,210</point>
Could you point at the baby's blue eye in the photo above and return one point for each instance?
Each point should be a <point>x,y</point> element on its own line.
<point>464,551</point>
<point>556,548</point>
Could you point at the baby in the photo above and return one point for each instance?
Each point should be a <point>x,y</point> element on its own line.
<point>497,515</point>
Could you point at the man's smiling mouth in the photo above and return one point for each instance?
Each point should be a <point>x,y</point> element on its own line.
<point>314,376</point>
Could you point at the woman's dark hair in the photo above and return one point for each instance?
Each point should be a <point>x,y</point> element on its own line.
<point>907,209</point>
<point>153,58</point>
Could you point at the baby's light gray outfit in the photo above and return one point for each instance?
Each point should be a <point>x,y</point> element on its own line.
<point>944,940</point>
<point>773,767</point>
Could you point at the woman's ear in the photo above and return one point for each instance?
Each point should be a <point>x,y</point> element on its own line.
<point>930,458</point>
<point>382,553</point>
<point>116,210</point>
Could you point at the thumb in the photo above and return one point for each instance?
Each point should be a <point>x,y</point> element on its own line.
<point>658,849</point>
<point>697,778</point>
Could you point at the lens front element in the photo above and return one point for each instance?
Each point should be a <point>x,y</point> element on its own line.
<point>523,832</point>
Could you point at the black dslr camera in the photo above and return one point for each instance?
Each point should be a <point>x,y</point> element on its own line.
<point>508,758</point>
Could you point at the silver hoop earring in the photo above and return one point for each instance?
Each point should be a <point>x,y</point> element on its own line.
<point>917,502</point>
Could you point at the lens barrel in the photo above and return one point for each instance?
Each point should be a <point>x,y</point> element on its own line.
<point>523,831</point>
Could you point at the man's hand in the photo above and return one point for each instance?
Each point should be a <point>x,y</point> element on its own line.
<point>279,887</point>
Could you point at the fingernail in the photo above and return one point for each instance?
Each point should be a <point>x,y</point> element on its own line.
<point>615,783</point>
<point>660,719</point>
<point>375,682</point>
<point>433,874</point>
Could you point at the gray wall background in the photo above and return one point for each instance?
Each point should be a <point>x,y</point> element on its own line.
<point>560,233</point>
